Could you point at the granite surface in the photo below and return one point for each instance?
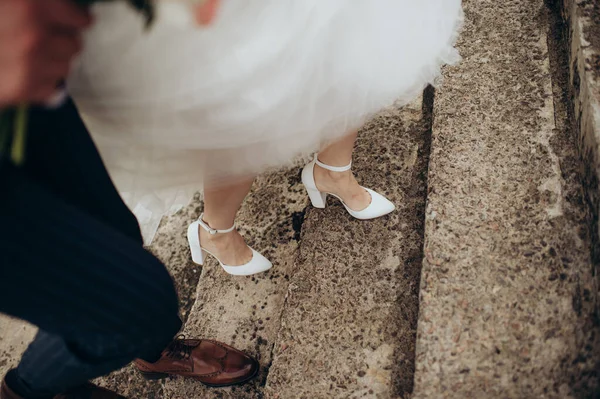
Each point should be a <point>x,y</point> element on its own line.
<point>507,287</point>
<point>508,293</point>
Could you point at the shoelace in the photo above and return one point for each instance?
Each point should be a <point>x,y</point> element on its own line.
<point>178,349</point>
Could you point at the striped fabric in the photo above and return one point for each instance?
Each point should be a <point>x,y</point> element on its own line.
<point>72,263</point>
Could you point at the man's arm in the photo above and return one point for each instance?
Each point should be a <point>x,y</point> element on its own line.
<point>38,40</point>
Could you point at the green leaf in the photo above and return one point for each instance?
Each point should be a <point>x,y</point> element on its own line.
<point>17,153</point>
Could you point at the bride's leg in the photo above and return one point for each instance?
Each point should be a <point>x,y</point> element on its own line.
<point>342,184</point>
<point>221,204</point>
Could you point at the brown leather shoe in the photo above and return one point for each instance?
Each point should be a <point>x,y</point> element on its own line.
<point>210,362</point>
<point>87,391</point>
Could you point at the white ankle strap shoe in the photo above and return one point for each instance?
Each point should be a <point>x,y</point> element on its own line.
<point>379,205</point>
<point>257,264</point>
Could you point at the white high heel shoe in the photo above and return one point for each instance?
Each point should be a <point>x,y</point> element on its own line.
<point>379,205</point>
<point>257,264</point>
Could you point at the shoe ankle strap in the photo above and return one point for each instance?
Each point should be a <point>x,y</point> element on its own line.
<point>332,168</point>
<point>210,230</point>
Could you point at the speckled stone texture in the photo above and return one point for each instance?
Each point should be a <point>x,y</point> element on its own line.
<point>506,288</point>
<point>349,318</point>
<point>246,311</point>
<point>507,291</point>
<point>336,316</point>
<point>583,30</point>
<point>14,338</point>
<point>242,311</point>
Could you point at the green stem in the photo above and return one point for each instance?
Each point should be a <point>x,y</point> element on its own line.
<point>20,135</point>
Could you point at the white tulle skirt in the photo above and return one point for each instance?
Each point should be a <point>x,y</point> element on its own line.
<point>179,106</point>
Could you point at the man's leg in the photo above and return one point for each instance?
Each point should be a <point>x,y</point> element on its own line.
<point>98,297</point>
<point>62,158</point>
<point>71,262</point>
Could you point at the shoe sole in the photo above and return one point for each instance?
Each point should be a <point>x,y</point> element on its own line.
<point>161,376</point>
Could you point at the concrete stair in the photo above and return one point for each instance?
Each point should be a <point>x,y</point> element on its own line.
<point>484,282</point>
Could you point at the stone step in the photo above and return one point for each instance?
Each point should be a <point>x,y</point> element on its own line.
<point>582,20</point>
<point>507,290</point>
<point>246,311</point>
<point>15,336</point>
<point>348,323</point>
<point>506,307</point>
<point>352,284</point>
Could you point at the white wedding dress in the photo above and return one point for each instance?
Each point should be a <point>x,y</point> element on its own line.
<point>178,105</point>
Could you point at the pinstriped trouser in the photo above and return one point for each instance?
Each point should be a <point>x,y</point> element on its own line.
<point>72,262</point>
